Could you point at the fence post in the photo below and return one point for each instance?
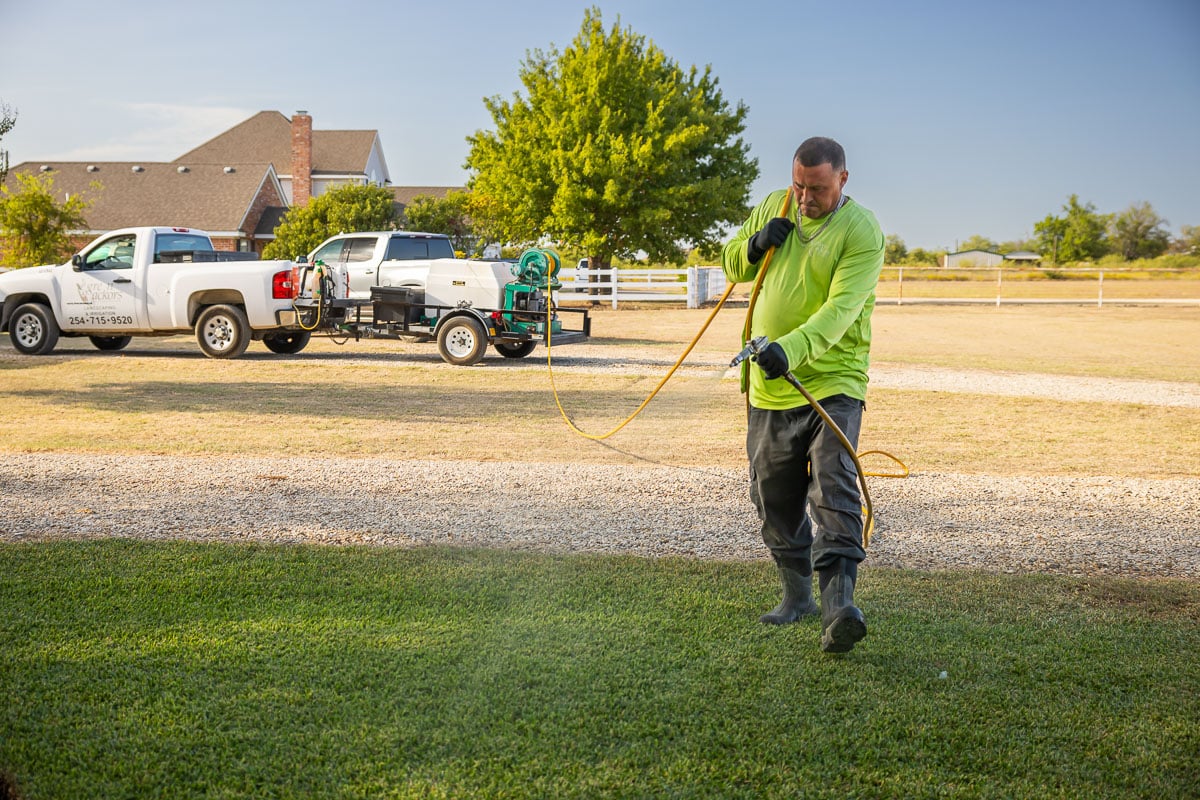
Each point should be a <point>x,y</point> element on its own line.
<point>694,294</point>
<point>999,284</point>
<point>1100,294</point>
<point>900,300</point>
<point>612,279</point>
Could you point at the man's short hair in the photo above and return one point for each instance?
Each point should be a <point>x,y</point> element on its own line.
<point>820,150</point>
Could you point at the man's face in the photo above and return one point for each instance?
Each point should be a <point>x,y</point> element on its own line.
<point>817,189</point>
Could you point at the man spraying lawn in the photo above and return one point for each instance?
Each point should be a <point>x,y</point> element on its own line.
<point>814,307</point>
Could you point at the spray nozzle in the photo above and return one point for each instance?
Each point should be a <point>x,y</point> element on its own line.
<point>752,348</point>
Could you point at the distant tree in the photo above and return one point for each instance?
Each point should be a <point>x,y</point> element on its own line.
<point>614,150</point>
<point>1078,235</point>
<point>1188,241</point>
<point>977,242</point>
<point>1138,232</point>
<point>894,251</point>
<point>1015,245</point>
<point>344,209</point>
<point>33,225</point>
<point>920,256</point>
<point>8,118</point>
<point>450,215</point>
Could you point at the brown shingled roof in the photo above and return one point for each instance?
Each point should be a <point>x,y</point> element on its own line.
<point>406,194</point>
<point>267,137</point>
<point>339,152</point>
<point>205,196</point>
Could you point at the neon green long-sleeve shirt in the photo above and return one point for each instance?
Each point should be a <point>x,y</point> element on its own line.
<point>816,301</point>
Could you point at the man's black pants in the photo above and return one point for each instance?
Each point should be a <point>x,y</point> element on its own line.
<point>804,484</point>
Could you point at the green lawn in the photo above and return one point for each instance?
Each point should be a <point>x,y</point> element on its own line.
<point>187,670</point>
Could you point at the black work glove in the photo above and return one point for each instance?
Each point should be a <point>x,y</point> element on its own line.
<point>773,234</point>
<point>773,361</point>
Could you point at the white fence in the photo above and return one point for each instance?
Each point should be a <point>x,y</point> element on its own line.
<point>1073,275</point>
<point>695,285</point>
<point>700,285</point>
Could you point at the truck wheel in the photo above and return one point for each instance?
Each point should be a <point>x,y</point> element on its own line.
<point>33,329</point>
<point>287,342</point>
<point>462,341</point>
<point>518,350</point>
<point>223,331</point>
<point>111,342</point>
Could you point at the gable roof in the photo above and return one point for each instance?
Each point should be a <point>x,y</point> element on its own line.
<point>267,138</point>
<point>204,196</point>
<point>404,195</point>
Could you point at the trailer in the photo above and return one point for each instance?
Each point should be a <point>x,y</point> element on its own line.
<point>464,305</point>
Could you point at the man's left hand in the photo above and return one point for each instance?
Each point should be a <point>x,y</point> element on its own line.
<point>773,361</point>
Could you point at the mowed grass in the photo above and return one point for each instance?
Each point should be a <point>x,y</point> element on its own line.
<point>186,670</point>
<point>134,669</point>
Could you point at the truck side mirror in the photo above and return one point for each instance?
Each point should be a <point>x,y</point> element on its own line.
<point>77,262</point>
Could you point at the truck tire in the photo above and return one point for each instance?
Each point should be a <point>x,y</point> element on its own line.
<point>111,343</point>
<point>462,341</point>
<point>223,331</point>
<point>33,329</point>
<point>287,342</point>
<point>515,350</point>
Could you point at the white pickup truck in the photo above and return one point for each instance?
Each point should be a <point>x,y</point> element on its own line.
<point>153,282</point>
<point>383,258</point>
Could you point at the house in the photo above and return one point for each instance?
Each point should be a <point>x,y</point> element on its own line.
<point>1025,258</point>
<point>972,258</point>
<point>237,185</point>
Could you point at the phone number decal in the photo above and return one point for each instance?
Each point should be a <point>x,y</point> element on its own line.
<point>98,319</point>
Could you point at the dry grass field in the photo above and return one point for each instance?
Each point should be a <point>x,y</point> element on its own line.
<point>378,398</point>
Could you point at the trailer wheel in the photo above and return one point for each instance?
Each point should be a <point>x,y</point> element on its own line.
<point>111,343</point>
<point>223,331</point>
<point>287,342</point>
<point>462,341</point>
<point>518,350</point>
<point>33,329</point>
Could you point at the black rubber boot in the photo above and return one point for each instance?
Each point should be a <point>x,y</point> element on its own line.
<point>842,624</point>
<point>797,599</point>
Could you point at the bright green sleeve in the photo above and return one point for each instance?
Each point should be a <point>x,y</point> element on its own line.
<point>734,262</point>
<point>852,285</point>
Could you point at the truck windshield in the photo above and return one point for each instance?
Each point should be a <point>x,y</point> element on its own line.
<point>175,242</point>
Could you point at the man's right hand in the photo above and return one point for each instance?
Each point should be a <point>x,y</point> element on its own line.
<point>773,234</point>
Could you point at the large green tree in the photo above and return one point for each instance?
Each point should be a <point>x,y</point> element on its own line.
<point>894,250</point>
<point>344,209</point>
<point>1079,234</point>
<point>614,149</point>
<point>33,225</point>
<point>1139,232</point>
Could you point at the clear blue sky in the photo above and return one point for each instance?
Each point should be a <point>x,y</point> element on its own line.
<point>958,118</point>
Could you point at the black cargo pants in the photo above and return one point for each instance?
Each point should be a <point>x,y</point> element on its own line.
<point>804,484</point>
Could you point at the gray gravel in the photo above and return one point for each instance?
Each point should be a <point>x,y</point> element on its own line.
<point>1080,526</point>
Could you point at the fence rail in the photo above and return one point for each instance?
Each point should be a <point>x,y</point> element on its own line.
<point>695,285</point>
<point>700,285</point>
<point>1051,275</point>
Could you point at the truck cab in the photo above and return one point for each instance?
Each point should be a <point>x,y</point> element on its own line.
<point>152,281</point>
<point>383,258</point>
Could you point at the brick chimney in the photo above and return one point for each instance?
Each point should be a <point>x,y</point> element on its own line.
<point>301,159</point>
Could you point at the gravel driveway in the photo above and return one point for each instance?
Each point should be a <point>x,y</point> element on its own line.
<point>1066,525</point>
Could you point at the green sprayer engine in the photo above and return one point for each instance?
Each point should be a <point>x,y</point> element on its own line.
<point>536,275</point>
